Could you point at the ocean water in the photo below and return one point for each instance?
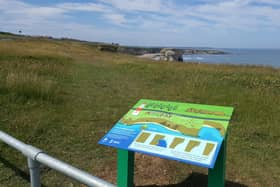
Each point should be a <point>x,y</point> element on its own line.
<point>265,57</point>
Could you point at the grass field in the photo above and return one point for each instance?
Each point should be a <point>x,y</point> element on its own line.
<point>63,96</point>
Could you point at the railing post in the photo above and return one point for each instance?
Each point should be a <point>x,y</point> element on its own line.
<point>34,171</point>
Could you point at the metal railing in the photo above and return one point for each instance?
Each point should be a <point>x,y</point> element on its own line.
<point>35,157</point>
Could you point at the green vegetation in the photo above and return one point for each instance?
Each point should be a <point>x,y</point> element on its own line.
<point>62,96</point>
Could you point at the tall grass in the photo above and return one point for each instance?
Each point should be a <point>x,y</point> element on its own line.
<point>30,85</point>
<point>31,76</point>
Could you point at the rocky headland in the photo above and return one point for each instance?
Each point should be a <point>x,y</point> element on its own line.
<point>173,54</point>
<point>157,53</point>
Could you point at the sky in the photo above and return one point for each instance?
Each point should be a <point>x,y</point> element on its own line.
<point>181,23</point>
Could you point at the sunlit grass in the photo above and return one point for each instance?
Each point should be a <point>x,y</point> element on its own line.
<point>94,89</point>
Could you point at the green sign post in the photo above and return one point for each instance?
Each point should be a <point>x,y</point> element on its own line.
<point>216,176</point>
<point>125,168</point>
<point>190,133</point>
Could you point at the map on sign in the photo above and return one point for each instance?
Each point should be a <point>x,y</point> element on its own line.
<point>190,133</point>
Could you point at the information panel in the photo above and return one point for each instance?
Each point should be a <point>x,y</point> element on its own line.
<point>190,133</point>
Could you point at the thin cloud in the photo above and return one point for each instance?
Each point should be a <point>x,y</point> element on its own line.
<point>118,19</point>
<point>91,7</point>
<point>13,7</point>
<point>136,5</point>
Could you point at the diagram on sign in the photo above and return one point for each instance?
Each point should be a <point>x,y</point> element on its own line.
<point>195,150</point>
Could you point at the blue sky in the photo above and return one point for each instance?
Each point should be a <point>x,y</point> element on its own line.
<point>211,23</point>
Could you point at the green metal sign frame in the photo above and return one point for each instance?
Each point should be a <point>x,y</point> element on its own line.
<point>125,176</point>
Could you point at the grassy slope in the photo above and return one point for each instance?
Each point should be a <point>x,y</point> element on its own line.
<point>63,97</point>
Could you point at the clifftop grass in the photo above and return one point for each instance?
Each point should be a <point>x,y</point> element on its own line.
<point>62,96</point>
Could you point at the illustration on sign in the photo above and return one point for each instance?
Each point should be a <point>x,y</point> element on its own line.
<point>191,133</point>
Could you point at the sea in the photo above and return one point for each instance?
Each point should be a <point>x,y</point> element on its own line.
<point>263,57</point>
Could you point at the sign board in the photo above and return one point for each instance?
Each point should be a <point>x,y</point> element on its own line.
<point>190,133</point>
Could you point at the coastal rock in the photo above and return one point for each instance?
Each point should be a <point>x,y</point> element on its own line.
<point>169,54</point>
<point>173,54</point>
